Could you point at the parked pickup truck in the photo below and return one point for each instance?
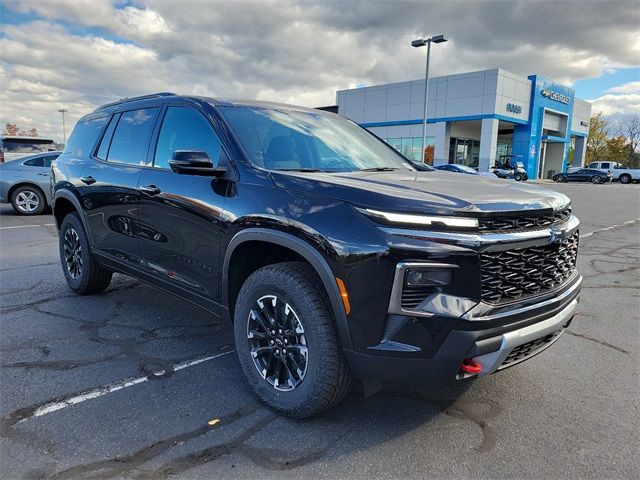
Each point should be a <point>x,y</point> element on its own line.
<point>618,172</point>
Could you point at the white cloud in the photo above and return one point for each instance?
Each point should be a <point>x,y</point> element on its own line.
<point>82,54</point>
<point>631,87</point>
<point>610,104</point>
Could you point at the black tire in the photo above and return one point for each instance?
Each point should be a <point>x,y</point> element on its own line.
<point>84,275</point>
<point>517,177</point>
<point>596,179</point>
<point>625,178</point>
<point>28,200</point>
<point>326,378</point>
<point>557,178</point>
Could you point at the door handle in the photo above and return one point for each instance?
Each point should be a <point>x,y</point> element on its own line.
<point>150,189</point>
<point>88,180</point>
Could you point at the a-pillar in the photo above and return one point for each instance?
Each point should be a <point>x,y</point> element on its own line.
<point>442,133</point>
<point>488,144</point>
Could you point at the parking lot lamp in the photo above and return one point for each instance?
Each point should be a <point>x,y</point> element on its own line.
<point>421,42</point>
<point>64,129</point>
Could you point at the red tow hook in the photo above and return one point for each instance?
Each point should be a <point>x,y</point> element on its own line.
<point>469,365</point>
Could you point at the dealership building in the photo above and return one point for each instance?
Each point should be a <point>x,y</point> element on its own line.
<point>476,118</point>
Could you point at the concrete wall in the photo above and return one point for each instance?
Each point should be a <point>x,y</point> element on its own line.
<point>485,92</point>
<point>581,116</point>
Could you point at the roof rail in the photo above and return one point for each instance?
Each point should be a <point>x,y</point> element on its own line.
<point>133,99</point>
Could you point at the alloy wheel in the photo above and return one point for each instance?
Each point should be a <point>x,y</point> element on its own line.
<point>73,253</point>
<point>27,201</point>
<point>278,343</point>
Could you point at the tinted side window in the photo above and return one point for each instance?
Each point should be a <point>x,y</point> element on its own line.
<point>35,162</point>
<point>185,129</point>
<point>130,140</point>
<point>48,159</point>
<point>106,138</point>
<point>84,136</point>
<point>605,165</point>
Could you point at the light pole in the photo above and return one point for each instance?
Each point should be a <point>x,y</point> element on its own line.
<point>64,129</point>
<point>421,42</point>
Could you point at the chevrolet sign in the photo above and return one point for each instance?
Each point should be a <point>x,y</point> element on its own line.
<point>558,97</point>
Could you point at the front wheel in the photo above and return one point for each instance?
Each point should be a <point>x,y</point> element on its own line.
<point>596,179</point>
<point>83,274</point>
<point>28,200</point>
<point>287,343</point>
<point>517,177</point>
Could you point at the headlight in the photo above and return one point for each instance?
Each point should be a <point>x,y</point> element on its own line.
<point>424,220</point>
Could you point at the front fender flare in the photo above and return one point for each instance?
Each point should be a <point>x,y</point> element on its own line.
<point>306,251</point>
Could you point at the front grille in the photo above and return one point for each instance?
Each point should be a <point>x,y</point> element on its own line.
<point>510,275</point>
<point>412,296</point>
<point>506,223</point>
<point>527,349</point>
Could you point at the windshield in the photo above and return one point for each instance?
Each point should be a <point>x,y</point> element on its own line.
<point>18,145</point>
<point>308,141</point>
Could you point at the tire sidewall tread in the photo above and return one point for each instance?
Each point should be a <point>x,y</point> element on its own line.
<point>94,278</point>
<point>327,379</point>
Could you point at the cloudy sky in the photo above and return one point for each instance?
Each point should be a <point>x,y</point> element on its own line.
<point>80,54</point>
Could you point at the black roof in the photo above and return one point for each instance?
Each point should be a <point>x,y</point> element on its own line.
<point>214,101</point>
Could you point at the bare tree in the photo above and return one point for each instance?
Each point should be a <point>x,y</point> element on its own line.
<point>629,128</point>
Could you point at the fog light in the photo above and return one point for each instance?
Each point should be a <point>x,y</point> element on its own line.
<point>436,278</point>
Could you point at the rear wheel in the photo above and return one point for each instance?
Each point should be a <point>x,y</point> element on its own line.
<point>596,179</point>
<point>28,200</point>
<point>287,342</point>
<point>84,275</point>
<point>625,178</point>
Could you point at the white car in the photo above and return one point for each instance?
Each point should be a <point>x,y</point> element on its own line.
<point>618,172</point>
<point>13,147</point>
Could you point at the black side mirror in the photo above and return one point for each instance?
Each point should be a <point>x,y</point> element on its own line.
<point>194,162</point>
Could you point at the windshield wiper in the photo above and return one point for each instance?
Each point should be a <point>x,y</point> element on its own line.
<point>299,170</point>
<point>378,169</point>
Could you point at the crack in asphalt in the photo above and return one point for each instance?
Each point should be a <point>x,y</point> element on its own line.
<point>601,342</point>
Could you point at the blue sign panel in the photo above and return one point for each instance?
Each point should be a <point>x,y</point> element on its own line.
<point>527,138</point>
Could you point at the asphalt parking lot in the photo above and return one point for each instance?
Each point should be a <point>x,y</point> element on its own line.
<point>125,384</point>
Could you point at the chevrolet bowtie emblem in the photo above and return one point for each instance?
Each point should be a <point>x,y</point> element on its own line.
<point>558,235</point>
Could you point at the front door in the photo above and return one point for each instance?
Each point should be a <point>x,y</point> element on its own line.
<point>180,215</point>
<point>109,194</point>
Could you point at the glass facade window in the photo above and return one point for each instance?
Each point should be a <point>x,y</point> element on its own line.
<point>410,147</point>
<point>503,146</point>
<point>464,151</point>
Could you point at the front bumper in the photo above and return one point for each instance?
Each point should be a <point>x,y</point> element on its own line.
<point>431,340</point>
<point>516,340</point>
<point>523,343</point>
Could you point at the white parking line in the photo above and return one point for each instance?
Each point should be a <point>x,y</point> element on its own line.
<point>111,387</point>
<point>28,226</point>
<point>610,227</point>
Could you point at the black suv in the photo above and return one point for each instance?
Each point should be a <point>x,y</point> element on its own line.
<point>332,255</point>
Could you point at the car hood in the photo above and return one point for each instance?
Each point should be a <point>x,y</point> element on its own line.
<point>417,192</point>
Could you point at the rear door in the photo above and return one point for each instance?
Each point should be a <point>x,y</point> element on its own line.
<point>181,216</point>
<point>109,192</point>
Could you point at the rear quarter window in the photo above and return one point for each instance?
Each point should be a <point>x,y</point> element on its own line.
<point>84,136</point>
<point>35,162</point>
